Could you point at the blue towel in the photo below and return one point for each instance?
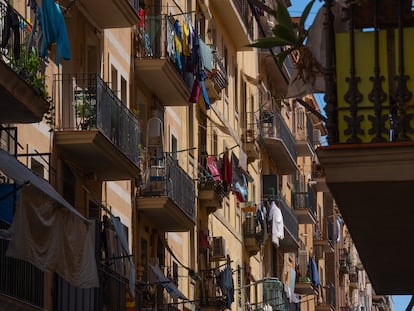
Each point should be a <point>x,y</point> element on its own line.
<point>53,28</point>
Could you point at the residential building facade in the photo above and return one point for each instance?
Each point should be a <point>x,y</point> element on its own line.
<point>152,160</point>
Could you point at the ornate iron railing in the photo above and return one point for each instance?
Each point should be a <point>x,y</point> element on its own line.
<point>88,102</point>
<point>171,180</point>
<point>367,90</point>
<point>273,126</point>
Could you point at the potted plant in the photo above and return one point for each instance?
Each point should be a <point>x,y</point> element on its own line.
<point>85,109</point>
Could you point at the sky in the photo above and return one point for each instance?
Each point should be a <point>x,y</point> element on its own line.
<point>400,302</point>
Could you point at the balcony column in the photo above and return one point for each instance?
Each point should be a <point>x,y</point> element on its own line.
<point>330,85</point>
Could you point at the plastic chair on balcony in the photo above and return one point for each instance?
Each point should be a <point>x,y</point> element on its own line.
<point>155,170</point>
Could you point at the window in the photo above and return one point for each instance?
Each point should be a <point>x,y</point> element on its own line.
<point>300,119</point>
<point>191,127</point>
<point>215,143</point>
<point>236,88</point>
<point>69,184</point>
<point>227,210</point>
<point>250,112</point>
<point>175,273</point>
<point>124,91</point>
<point>174,147</point>
<point>114,79</point>
<point>243,101</point>
<point>37,168</point>
<point>226,109</point>
<point>226,66</point>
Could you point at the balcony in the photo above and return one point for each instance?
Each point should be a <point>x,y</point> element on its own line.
<point>304,135</point>
<point>112,13</point>
<point>276,79</point>
<point>318,181</point>
<point>323,239</point>
<point>113,271</point>
<point>211,194</point>
<point>353,280</point>
<point>250,142</point>
<point>212,188</point>
<point>253,233</point>
<point>304,204</point>
<point>327,301</point>
<point>217,76</point>
<point>22,86</point>
<point>95,131</point>
<point>21,283</point>
<point>237,19</point>
<point>344,262</point>
<point>168,196</point>
<point>369,164</point>
<point>279,142</point>
<point>305,288</point>
<point>156,64</point>
<point>290,242</point>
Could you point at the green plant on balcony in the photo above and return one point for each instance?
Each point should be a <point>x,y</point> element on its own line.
<point>85,109</point>
<point>291,37</point>
<point>31,68</point>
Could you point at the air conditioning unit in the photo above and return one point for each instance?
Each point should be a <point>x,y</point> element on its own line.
<point>316,137</point>
<point>219,248</point>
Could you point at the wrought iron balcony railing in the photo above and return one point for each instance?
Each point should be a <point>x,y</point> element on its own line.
<point>368,93</point>
<point>252,228</point>
<point>289,219</point>
<point>304,197</point>
<point>169,179</point>
<point>20,279</point>
<point>273,126</point>
<point>328,297</point>
<point>159,39</point>
<point>245,13</point>
<point>219,73</point>
<point>304,130</point>
<point>87,102</point>
<point>111,294</point>
<point>17,51</point>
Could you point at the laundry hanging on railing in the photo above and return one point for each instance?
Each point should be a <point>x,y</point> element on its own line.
<point>53,28</point>
<point>276,219</point>
<point>11,24</point>
<point>313,272</point>
<point>239,181</point>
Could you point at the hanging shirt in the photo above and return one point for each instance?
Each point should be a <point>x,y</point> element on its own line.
<point>275,215</point>
<point>313,267</point>
<point>186,35</point>
<point>191,34</point>
<point>170,40</point>
<point>141,14</point>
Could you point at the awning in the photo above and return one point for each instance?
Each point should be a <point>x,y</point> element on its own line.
<point>167,283</point>
<point>49,232</point>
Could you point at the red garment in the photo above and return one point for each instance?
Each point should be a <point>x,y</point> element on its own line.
<point>212,166</point>
<point>141,14</point>
<point>203,239</point>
